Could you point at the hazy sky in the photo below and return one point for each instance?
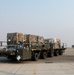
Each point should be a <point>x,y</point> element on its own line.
<point>48,18</point>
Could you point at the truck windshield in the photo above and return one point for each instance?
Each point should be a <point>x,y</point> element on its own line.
<point>12,46</point>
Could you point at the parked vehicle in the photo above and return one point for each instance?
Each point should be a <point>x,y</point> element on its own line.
<point>58,47</point>
<point>27,46</point>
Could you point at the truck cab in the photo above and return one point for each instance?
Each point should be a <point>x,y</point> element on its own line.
<point>18,52</point>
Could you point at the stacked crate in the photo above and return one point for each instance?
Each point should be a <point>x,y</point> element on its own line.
<point>57,41</point>
<point>31,38</point>
<point>40,39</point>
<point>15,38</point>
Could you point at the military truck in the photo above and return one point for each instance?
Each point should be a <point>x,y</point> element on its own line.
<point>28,46</point>
<point>22,47</point>
<point>58,47</point>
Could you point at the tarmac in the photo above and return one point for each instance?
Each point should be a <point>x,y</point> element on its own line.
<point>40,68</point>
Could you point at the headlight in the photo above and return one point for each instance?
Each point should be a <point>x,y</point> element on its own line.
<point>6,49</point>
<point>9,40</point>
<point>17,51</point>
<point>13,53</point>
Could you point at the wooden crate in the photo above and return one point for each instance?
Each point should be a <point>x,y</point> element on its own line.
<point>40,39</point>
<point>15,38</point>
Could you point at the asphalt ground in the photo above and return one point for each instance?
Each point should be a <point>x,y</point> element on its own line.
<point>61,65</point>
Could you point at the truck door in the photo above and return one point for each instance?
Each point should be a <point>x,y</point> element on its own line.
<point>26,52</point>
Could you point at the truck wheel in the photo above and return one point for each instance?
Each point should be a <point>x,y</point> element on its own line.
<point>11,58</point>
<point>60,52</point>
<point>8,57</point>
<point>36,57</point>
<point>56,53</point>
<point>51,54</point>
<point>44,55</point>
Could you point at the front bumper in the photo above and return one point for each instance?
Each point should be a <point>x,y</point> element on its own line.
<point>10,53</point>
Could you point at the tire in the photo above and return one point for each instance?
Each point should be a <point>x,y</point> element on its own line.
<point>61,52</point>
<point>51,53</point>
<point>8,57</point>
<point>35,57</point>
<point>56,53</point>
<point>44,55</point>
<point>11,58</point>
